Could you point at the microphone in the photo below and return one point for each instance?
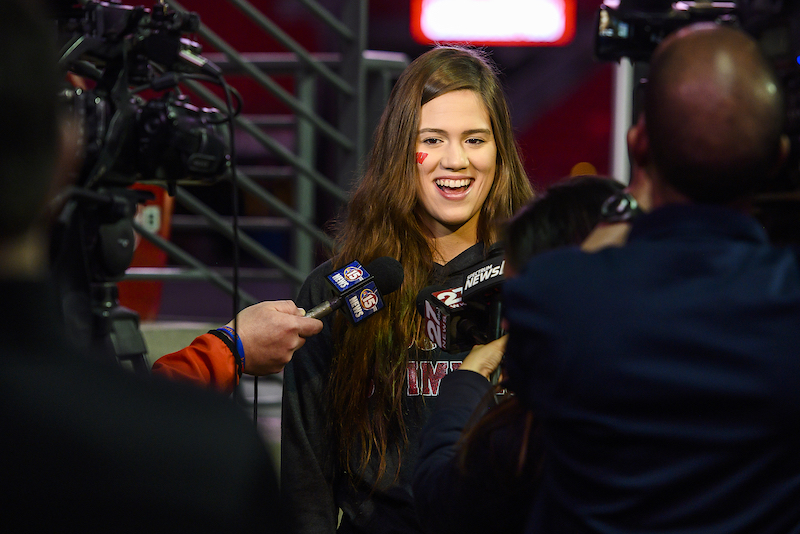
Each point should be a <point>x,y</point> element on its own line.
<point>439,307</point>
<point>485,279</point>
<point>457,318</point>
<point>482,289</point>
<point>361,288</point>
<point>450,323</point>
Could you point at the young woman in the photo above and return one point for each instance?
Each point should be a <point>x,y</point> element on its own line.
<point>444,172</point>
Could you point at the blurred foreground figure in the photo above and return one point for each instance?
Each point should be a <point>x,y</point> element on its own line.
<point>665,371</point>
<point>88,447</point>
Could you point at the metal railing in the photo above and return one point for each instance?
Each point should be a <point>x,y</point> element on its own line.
<point>361,80</point>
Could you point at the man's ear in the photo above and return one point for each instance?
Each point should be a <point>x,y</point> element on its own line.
<point>638,143</point>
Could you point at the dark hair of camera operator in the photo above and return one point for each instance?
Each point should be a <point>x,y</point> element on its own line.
<point>88,446</point>
<point>478,468</point>
<point>569,210</point>
<point>664,371</point>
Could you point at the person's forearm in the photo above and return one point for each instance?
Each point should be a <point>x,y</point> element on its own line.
<point>207,362</point>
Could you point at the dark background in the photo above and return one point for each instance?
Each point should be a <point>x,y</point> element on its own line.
<point>560,96</point>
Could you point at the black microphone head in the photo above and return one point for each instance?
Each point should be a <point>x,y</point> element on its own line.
<point>485,278</point>
<point>387,273</point>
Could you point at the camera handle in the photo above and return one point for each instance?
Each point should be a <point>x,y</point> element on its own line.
<point>95,248</point>
<point>116,328</point>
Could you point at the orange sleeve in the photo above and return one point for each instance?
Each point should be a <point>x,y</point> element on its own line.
<point>207,362</point>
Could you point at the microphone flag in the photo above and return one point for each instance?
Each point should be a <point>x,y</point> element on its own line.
<point>357,286</point>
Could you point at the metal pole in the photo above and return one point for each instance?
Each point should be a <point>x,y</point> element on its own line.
<point>622,108</point>
<point>305,198</point>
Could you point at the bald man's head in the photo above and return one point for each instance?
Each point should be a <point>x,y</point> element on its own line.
<point>714,113</point>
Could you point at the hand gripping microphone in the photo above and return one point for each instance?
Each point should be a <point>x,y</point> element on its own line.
<point>360,288</point>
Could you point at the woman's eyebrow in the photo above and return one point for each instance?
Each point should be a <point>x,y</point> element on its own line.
<point>474,131</point>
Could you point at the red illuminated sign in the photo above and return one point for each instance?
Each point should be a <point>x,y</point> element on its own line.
<point>493,22</point>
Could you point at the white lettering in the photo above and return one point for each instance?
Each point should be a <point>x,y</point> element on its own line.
<point>340,281</point>
<point>433,326</point>
<point>470,281</point>
<point>355,306</point>
<point>483,274</point>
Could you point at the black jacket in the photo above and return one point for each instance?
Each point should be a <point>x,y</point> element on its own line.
<point>666,376</point>
<point>485,489</point>
<point>313,486</point>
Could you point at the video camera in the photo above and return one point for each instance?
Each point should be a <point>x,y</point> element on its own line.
<point>633,28</point>
<point>123,67</point>
<point>116,53</point>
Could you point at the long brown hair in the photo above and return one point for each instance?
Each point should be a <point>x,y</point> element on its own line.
<point>370,360</point>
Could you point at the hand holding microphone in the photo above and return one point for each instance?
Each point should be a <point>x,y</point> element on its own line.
<point>271,332</point>
<point>485,359</point>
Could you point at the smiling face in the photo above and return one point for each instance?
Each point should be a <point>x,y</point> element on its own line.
<point>456,162</point>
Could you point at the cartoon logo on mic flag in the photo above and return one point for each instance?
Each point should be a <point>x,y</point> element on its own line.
<point>353,273</point>
<point>368,298</point>
<point>364,303</point>
<point>347,277</point>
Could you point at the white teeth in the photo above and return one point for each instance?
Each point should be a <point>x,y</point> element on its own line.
<point>446,182</point>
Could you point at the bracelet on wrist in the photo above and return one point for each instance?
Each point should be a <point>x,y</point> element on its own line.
<point>237,350</point>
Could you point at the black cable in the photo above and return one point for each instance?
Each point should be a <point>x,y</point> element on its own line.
<point>171,80</point>
<point>235,225</point>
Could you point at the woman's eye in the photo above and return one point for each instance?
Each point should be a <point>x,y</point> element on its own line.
<point>475,141</point>
<point>430,141</point>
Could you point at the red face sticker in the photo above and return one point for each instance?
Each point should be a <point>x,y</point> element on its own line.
<point>421,156</point>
